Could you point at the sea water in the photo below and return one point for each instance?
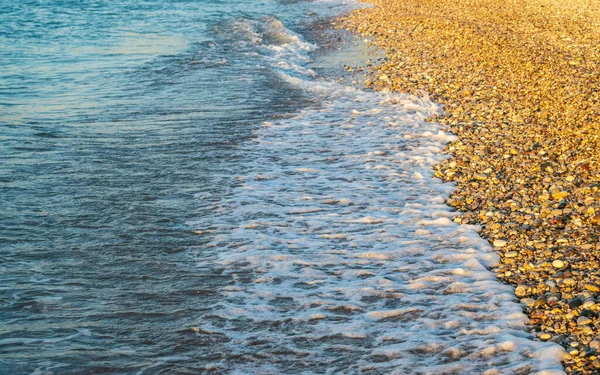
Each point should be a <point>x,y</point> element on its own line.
<point>183,191</point>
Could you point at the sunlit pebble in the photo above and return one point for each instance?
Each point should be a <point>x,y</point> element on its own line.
<point>500,243</point>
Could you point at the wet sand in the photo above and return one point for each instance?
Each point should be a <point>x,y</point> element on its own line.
<point>520,85</point>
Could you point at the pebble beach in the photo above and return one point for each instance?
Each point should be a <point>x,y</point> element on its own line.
<point>205,187</point>
<point>519,83</point>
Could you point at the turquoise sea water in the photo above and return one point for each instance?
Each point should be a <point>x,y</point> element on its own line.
<point>182,191</point>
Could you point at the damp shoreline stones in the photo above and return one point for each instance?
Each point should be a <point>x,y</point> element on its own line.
<point>520,86</point>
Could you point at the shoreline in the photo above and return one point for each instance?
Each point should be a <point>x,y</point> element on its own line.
<point>520,86</point>
<point>341,56</point>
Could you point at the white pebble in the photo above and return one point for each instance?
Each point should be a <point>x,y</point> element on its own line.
<point>500,243</point>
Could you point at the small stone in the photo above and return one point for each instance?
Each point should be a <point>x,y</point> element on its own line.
<point>587,330</point>
<point>584,321</point>
<point>511,254</point>
<point>594,344</point>
<point>527,301</point>
<point>540,302</point>
<point>587,312</point>
<point>546,166</point>
<point>559,339</point>
<point>558,263</point>
<point>575,302</point>
<point>545,336</point>
<point>558,195</point>
<point>592,287</point>
<point>596,363</point>
<point>500,243</point>
<point>521,290</point>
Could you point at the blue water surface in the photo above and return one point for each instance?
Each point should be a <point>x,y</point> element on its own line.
<point>117,120</point>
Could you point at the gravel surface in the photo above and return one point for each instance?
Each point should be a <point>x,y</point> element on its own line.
<point>520,84</point>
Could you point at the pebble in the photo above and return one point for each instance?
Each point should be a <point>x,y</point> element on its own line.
<point>521,291</point>
<point>558,263</point>
<point>575,302</point>
<point>500,243</point>
<point>527,301</point>
<point>592,287</point>
<point>569,281</point>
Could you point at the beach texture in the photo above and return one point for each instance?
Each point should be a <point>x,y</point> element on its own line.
<point>520,85</point>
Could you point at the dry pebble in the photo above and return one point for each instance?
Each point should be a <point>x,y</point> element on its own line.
<point>499,243</point>
<point>520,86</point>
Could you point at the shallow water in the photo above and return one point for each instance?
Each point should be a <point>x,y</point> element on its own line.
<point>181,193</point>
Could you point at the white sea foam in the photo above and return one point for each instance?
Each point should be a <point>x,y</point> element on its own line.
<point>343,257</point>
